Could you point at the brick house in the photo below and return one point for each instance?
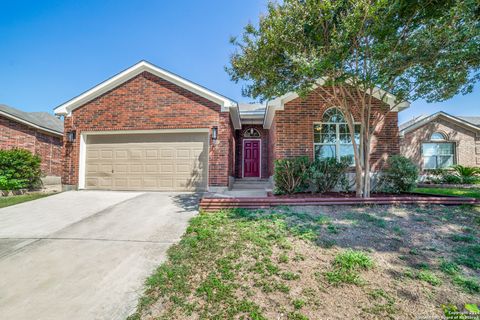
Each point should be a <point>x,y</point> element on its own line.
<point>441,140</point>
<point>39,132</point>
<point>149,129</point>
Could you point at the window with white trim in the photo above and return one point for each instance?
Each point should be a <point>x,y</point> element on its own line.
<point>332,137</point>
<point>438,153</point>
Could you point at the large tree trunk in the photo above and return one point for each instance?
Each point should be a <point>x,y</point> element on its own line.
<point>358,180</point>
<point>366,177</point>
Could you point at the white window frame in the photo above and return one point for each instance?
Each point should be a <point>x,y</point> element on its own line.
<point>454,154</point>
<point>337,142</point>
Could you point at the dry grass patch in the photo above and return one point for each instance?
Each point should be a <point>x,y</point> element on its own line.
<point>341,262</point>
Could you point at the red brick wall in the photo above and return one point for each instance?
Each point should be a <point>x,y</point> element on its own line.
<point>49,147</point>
<point>466,141</point>
<point>149,102</point>
<point>293,129</point>
<point>239,149</point>
<point>272,144</point>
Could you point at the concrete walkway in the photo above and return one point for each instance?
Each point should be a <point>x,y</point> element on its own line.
<point>85,255</point>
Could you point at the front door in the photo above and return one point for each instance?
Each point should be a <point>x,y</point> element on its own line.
<point>251,158</point>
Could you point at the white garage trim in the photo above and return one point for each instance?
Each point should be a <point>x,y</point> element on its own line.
<point>83,145</point>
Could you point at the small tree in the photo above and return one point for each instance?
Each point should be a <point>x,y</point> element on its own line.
<point>349,49</point>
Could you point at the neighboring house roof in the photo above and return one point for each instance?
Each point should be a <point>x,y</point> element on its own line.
<point>411,121</point>
<point>38,120</point>
<point>473,120</point>
<point>472,123</point>
<point>278,103</point>
<point>225,103</point>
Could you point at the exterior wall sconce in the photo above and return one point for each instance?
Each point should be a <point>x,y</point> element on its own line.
<point>214,134</point>
<point>71,136</point>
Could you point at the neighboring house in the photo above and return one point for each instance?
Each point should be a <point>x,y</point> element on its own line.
<point>39,132</point>
<point>149,129</point>
<point>441,140</point>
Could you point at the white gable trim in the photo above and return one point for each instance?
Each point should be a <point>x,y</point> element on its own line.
<point>225,103</point>
<point>30,124</point>
<point>279,103</point>
<point>434,116</point>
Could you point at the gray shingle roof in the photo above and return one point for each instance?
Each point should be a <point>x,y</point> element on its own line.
<point>410,122</point>
<point>40,119</point>
<point>473,120</point>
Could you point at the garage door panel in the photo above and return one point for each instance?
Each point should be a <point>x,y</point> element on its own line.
<point>171,162</point>
<point>93,154</point>
<point>121,154</point>
<point>91,182</point>
<point>167,168</point>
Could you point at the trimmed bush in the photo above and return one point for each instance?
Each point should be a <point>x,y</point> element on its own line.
<point>19,169</point>
<point>290,175</point>
<point>325,174</point>
<point>401,175</point>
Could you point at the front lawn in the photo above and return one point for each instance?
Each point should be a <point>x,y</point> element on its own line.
<point>469,193</point>
<point>12,200</point>
<point>323,262</point>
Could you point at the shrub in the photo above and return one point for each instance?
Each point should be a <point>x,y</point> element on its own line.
<point>451,179</point>
<point>19,169</point>
<point>467,175</point>
<point>455,175</point>
<point>400,175</point>
<point>325,174</point>
<point>290,175</point>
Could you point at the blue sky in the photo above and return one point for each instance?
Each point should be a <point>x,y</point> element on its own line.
<point>50,51</point>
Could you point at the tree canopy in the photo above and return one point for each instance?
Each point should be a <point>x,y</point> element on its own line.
<point>411,48</point>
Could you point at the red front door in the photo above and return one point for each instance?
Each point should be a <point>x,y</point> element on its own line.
<point>251,158</point>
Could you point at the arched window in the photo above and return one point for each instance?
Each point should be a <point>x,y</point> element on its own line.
<point>251,133</point>
<point>333,115</point>
<point>332,137</point>
<point>437,136</point>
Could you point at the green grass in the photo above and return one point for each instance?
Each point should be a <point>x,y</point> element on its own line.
<point>469,193</point>
<point>347,266</point>
<point>469,256</point>
<point>430,277</point>
<point>13,200</point>
<point>470,285</point>
<point>463,238</point>
<point>449,267</point>
<point>213,244</point>
<point>298,303</point>
<point>229,262</point>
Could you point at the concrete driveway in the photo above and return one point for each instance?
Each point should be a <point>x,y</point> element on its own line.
<point>85,255</point>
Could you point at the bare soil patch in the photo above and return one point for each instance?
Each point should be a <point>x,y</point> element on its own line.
<point>279,264</point>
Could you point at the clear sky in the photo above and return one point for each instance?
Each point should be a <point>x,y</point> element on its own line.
<point>51,51</point>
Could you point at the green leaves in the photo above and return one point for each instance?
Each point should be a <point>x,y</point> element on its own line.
<point>414,49</point>
<point>19,169</point>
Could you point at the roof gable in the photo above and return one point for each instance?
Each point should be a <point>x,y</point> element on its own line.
<point>408,127</point>
<point>225,103</point>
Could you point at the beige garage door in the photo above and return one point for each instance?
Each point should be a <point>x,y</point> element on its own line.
<point>165,162</point>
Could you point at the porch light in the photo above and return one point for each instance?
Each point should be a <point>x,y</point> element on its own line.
<point>214,133</point>
<point>71,136</point>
